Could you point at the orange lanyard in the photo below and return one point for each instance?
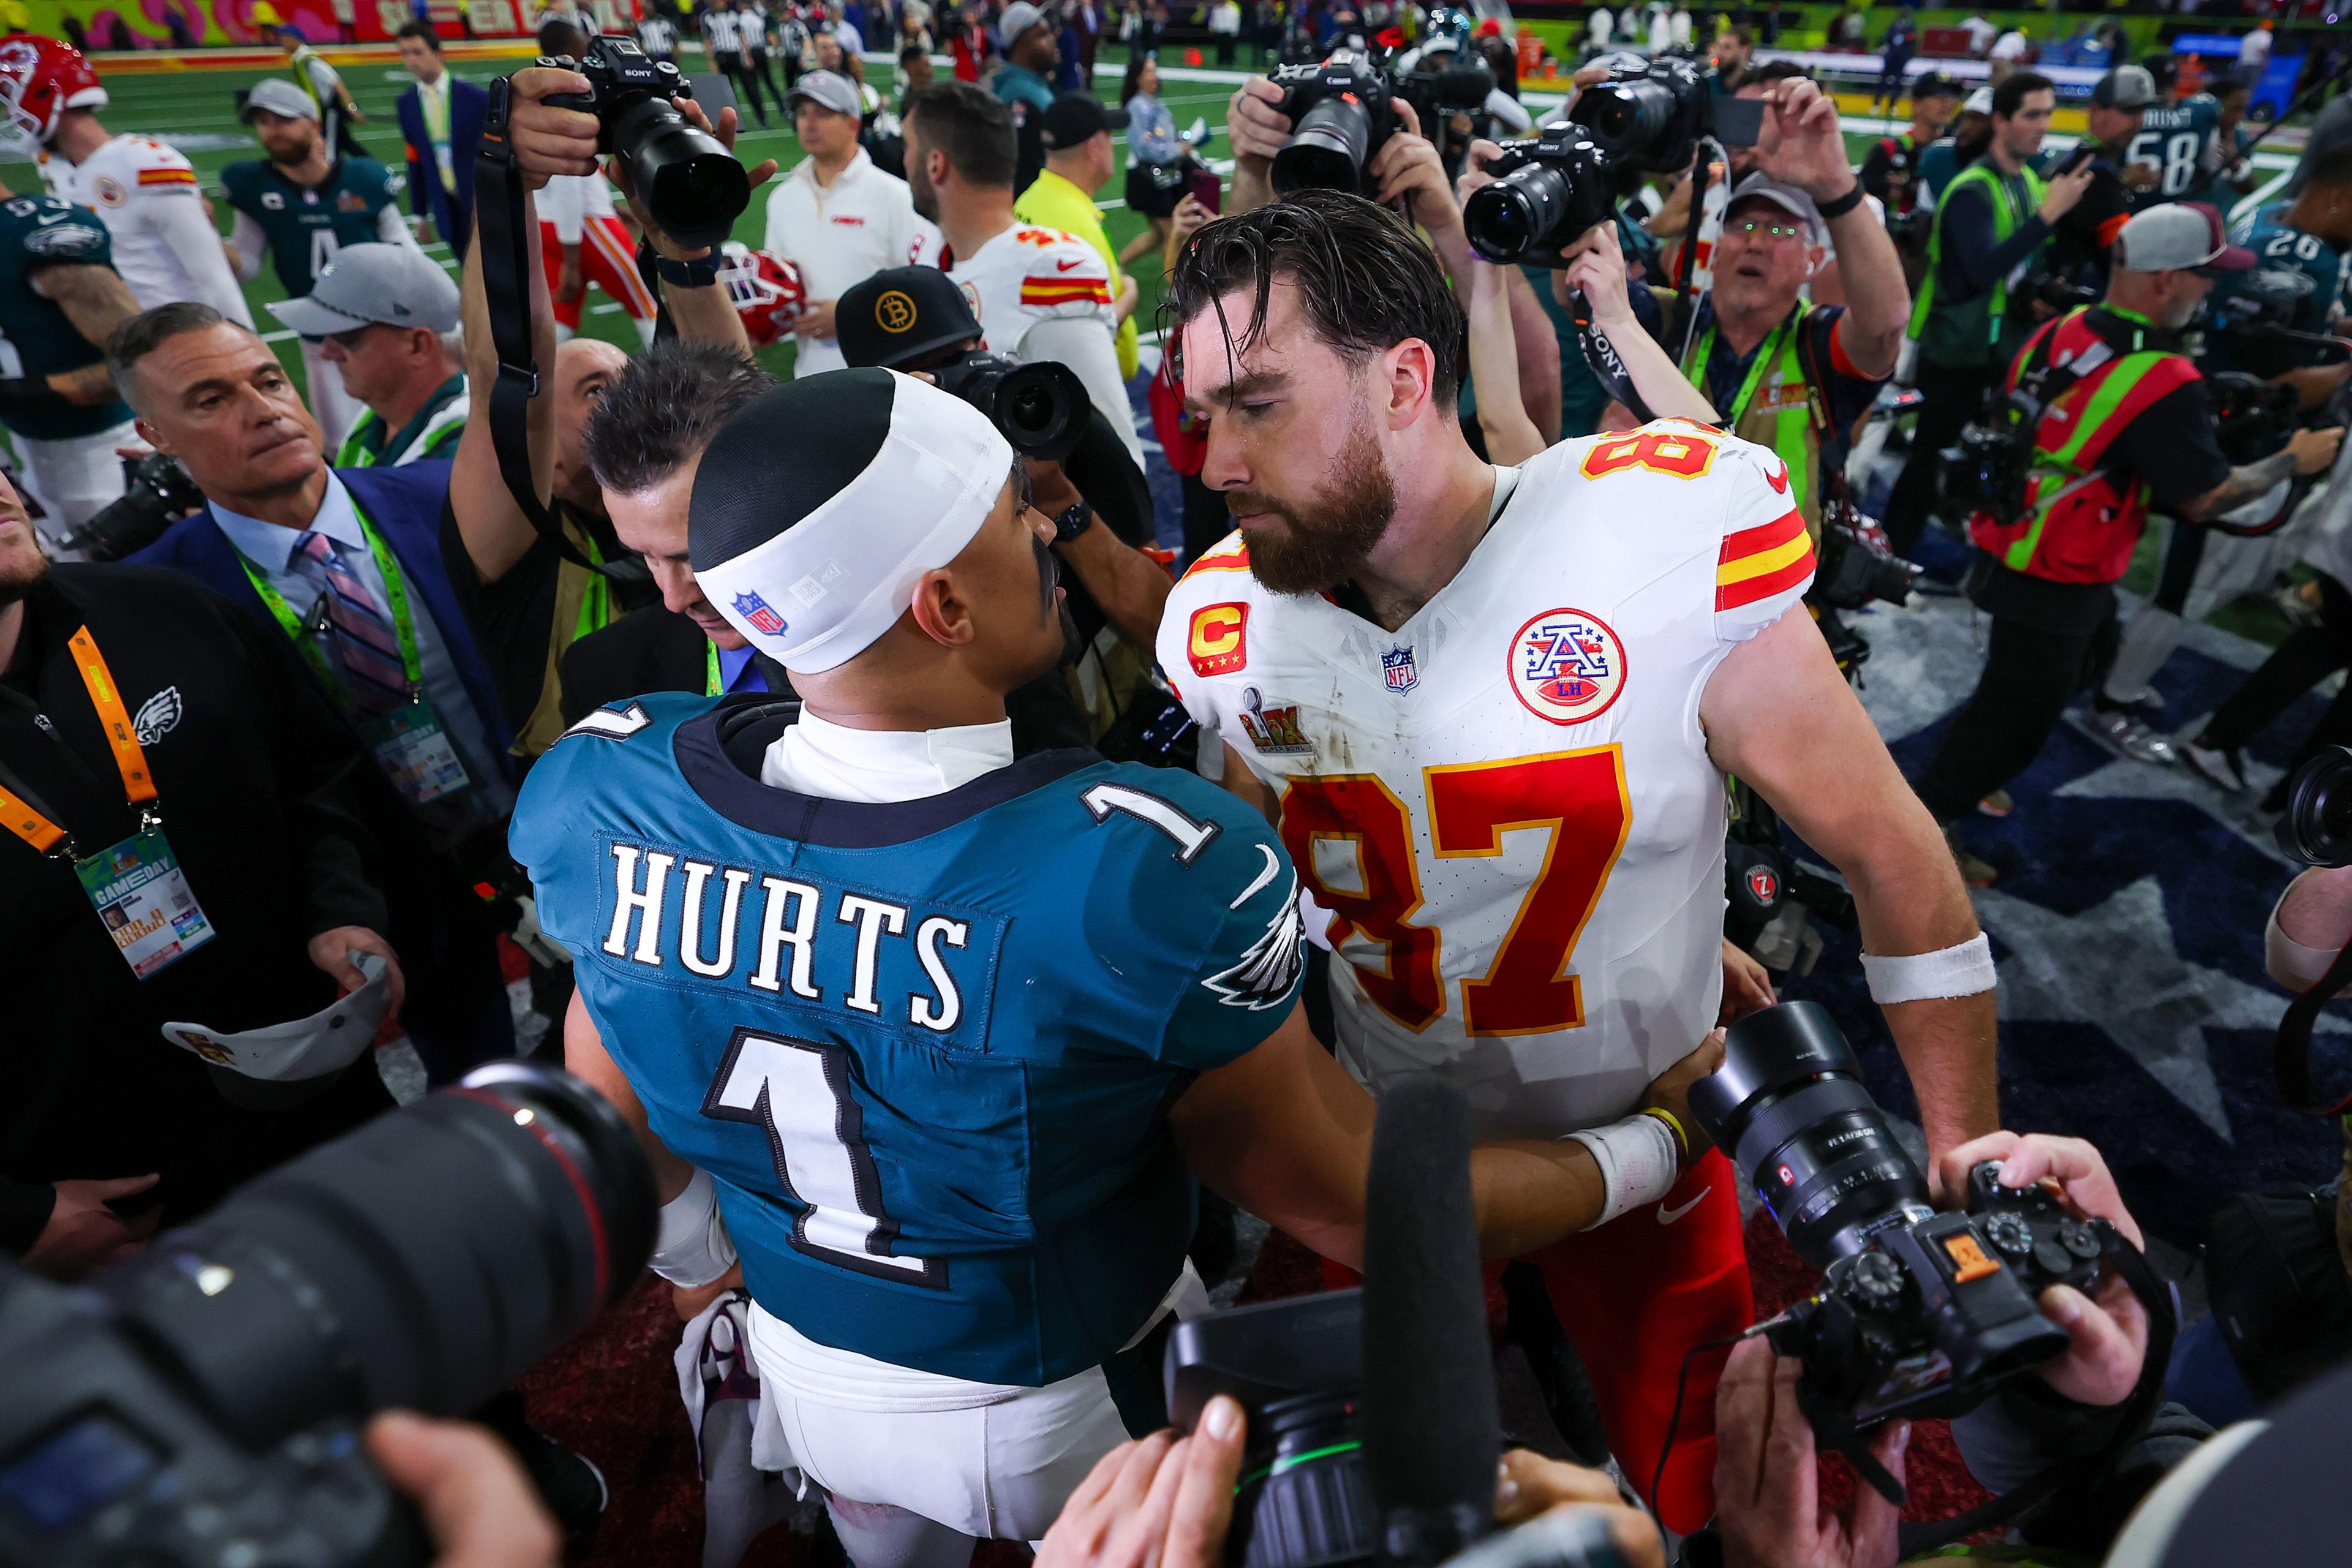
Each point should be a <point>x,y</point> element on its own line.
<point>25,821</point>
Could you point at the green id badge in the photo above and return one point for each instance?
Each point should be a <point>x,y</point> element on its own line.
<point>415,754</point>
<point>139,891</point>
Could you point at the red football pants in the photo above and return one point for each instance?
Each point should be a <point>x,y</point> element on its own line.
<point>1634,1296</point>
<point>608,259</point>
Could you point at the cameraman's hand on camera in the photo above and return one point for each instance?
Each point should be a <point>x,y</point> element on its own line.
<point>2314,450</point>
<point>1670,1092</point>
<point>478,1507</point>
<point>1598,268</point>
<point>548,140</point>
<point>1768,1510</point>
<point>2064,193</point>
<point>1163,1501</point>
<point>1408,172</point>
<point>1474,169</point>
<point>1257,128</point>
<point>2107,1335</point>
<point>84,1234</point>
<point>1800,144</point>
<point>725,132</point>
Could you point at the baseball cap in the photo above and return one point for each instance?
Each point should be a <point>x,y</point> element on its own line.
<point>829,90</point>
<point>820,504</point>
<point>1979,102</point>
<point>1934,84</point>
<point>2179,236</point>
<point>279,97</point>
<point>896,316</point>
<point>391,285</point>
<point>1018,19</point>
<point>1073,117</point>
<point>2125,87</point>
<point>1788,198</point>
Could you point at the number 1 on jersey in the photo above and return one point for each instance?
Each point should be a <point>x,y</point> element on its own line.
<point>1578,797</point>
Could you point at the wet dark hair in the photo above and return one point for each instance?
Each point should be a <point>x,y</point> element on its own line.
<point>1365,281</point>
<point>664,408</point>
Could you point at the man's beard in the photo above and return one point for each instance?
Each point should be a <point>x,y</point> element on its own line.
<point>1327,538</point>
<point>288,157</point>
<point>18,579</point>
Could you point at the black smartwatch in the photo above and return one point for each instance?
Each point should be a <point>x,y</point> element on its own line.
<point>1072,522</point>
<point>1842,205</point>
<point>686,274</point>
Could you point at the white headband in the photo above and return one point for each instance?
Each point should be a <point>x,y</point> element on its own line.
<point>823,591</point>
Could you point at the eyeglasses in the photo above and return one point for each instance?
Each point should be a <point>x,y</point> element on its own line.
<point>1752,225</point>
<point>348,341</point>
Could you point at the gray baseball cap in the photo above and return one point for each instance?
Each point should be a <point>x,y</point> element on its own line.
<point>2125,87</point>
<point>1018,19</point>
<point>1787,197</point>
<point>280,98</point>
<point>829,90</point>
<point>385,285</point>
<point>2179,236</point>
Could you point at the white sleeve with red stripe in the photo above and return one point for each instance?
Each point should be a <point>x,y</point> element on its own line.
<point>1766,562</point>
<point>559,203</point>
<point>1065,277</point>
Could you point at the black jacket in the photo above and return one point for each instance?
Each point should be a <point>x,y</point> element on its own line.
<point>657,650</point>
<point>253,776</point>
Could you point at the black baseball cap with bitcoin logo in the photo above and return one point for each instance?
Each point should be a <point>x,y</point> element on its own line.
<point>898,318</point>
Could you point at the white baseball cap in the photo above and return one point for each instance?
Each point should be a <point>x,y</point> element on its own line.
<point>1018,19</point>
<point>2176,237</point>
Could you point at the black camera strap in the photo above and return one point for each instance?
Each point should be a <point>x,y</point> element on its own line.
<point>502,231</point>
<point>1601,356</point>
<point>2291,1047</point>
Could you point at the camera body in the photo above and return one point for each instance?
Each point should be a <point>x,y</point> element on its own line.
<point>156,493</point>
<point>1857,566</point>
<point>694,187</point>
<point>1919,1313</point>
<point>1548,191</point>
<point>2252,417</point>
<point>1652,116</point>
<point>1340,117</point>
<point>1040,408</point>
<point>200,1401</point>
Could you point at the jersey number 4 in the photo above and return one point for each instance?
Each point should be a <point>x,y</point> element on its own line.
<point>798,1092</point>
<point>1579,797</point>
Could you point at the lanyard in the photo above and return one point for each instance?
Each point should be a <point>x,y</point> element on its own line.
<point>304,633</point>
<point>26,820</point>
<point>1756,368</point>
<point>711,685</point>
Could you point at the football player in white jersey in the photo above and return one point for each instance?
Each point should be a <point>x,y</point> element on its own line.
<point>1490,710</point>
<point>165,246</point>
<point>1040,294</point>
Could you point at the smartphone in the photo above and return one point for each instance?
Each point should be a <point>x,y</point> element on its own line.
<point>1204,186</point>
<point>2083,153</point>
<point>1739,121</point>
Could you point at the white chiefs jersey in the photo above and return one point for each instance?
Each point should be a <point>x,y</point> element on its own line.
<point>1026,275</point>
<point>1506,804</point>
<point>165,246</point>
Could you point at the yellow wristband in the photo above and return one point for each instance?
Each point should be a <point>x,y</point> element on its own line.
<point>1682,1138</point>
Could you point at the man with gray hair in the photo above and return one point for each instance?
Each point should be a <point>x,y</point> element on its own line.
<point>385,316</point>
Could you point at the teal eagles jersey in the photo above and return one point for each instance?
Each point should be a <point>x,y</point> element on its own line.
<point>306,226</point>
<point>2299,277</point>
<point>2179,138</point>
<point>926,1050</point>
<point>37,338</point>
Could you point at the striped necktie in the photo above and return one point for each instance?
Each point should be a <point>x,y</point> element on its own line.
<point>365,646</point>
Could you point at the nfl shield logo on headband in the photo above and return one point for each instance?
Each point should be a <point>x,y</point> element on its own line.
<point>754,609</point>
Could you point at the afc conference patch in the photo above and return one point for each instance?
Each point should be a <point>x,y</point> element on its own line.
<point>1567,666</point>
<point>756,610</point>
<point>1397,666</point>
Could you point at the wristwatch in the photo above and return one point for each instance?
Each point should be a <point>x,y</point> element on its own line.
<point>1072,522</point>
<point>686,274</point>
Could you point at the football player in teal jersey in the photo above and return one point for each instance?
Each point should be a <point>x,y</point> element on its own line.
<point>933,1041</point>
<point>2181,138</point>
<point>59,301</point>
<point>298,207</point>
<point>2303,271</point>
<point>2231,178</point>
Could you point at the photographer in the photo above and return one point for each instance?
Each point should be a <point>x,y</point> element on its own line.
<point>1789,375</point>
<point>2081,240</point>
<point>1890,170</point>
<point>531,602</point>
<point>2127,422</point>
<point>385,318</point>
<point>1989,222</point>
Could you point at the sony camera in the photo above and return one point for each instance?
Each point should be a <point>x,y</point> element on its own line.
<point>1918,1314</point>
<point>1856,566</point>
<point>156,493</point>
<point>694,187</point>
<point>1040,408</point>
<point>1340,117</point>
<point>1644,119</point>
<point>200,1401</point>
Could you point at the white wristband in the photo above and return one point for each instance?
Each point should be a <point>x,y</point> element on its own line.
<point>692,1246</point>
<point>2292,965</point>
<point>1960,971</point>
<point>1640,1163</point>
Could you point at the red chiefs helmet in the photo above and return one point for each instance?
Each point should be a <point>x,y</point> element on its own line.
<point>766,289</point>
<point>41,79</point>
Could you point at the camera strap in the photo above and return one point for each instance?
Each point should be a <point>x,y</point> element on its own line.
<point>1601,356</point>
<point>502,231</point>
<point>2138,1408</point>
<point>2291,1047</point>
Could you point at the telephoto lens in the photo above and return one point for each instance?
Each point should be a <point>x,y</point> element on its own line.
<point>1040,408</point>
<point>1325,149</point>
<point>2316,827</point>
<point>1790,1106</point>
<point>694,187</point>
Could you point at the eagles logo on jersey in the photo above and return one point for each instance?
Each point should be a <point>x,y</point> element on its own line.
<point>38,232</point>
<point>305,226</point>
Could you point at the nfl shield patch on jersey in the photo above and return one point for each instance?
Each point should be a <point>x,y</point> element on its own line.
<point>757,611</point>
<point>1397,666</point>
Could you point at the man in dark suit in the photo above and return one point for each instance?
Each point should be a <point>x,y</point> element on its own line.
<point>441,122</point>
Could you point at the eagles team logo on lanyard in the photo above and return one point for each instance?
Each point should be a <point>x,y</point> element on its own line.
<point>1567,666</point>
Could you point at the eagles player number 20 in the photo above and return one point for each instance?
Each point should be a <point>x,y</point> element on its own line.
<point>1579,796</point>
